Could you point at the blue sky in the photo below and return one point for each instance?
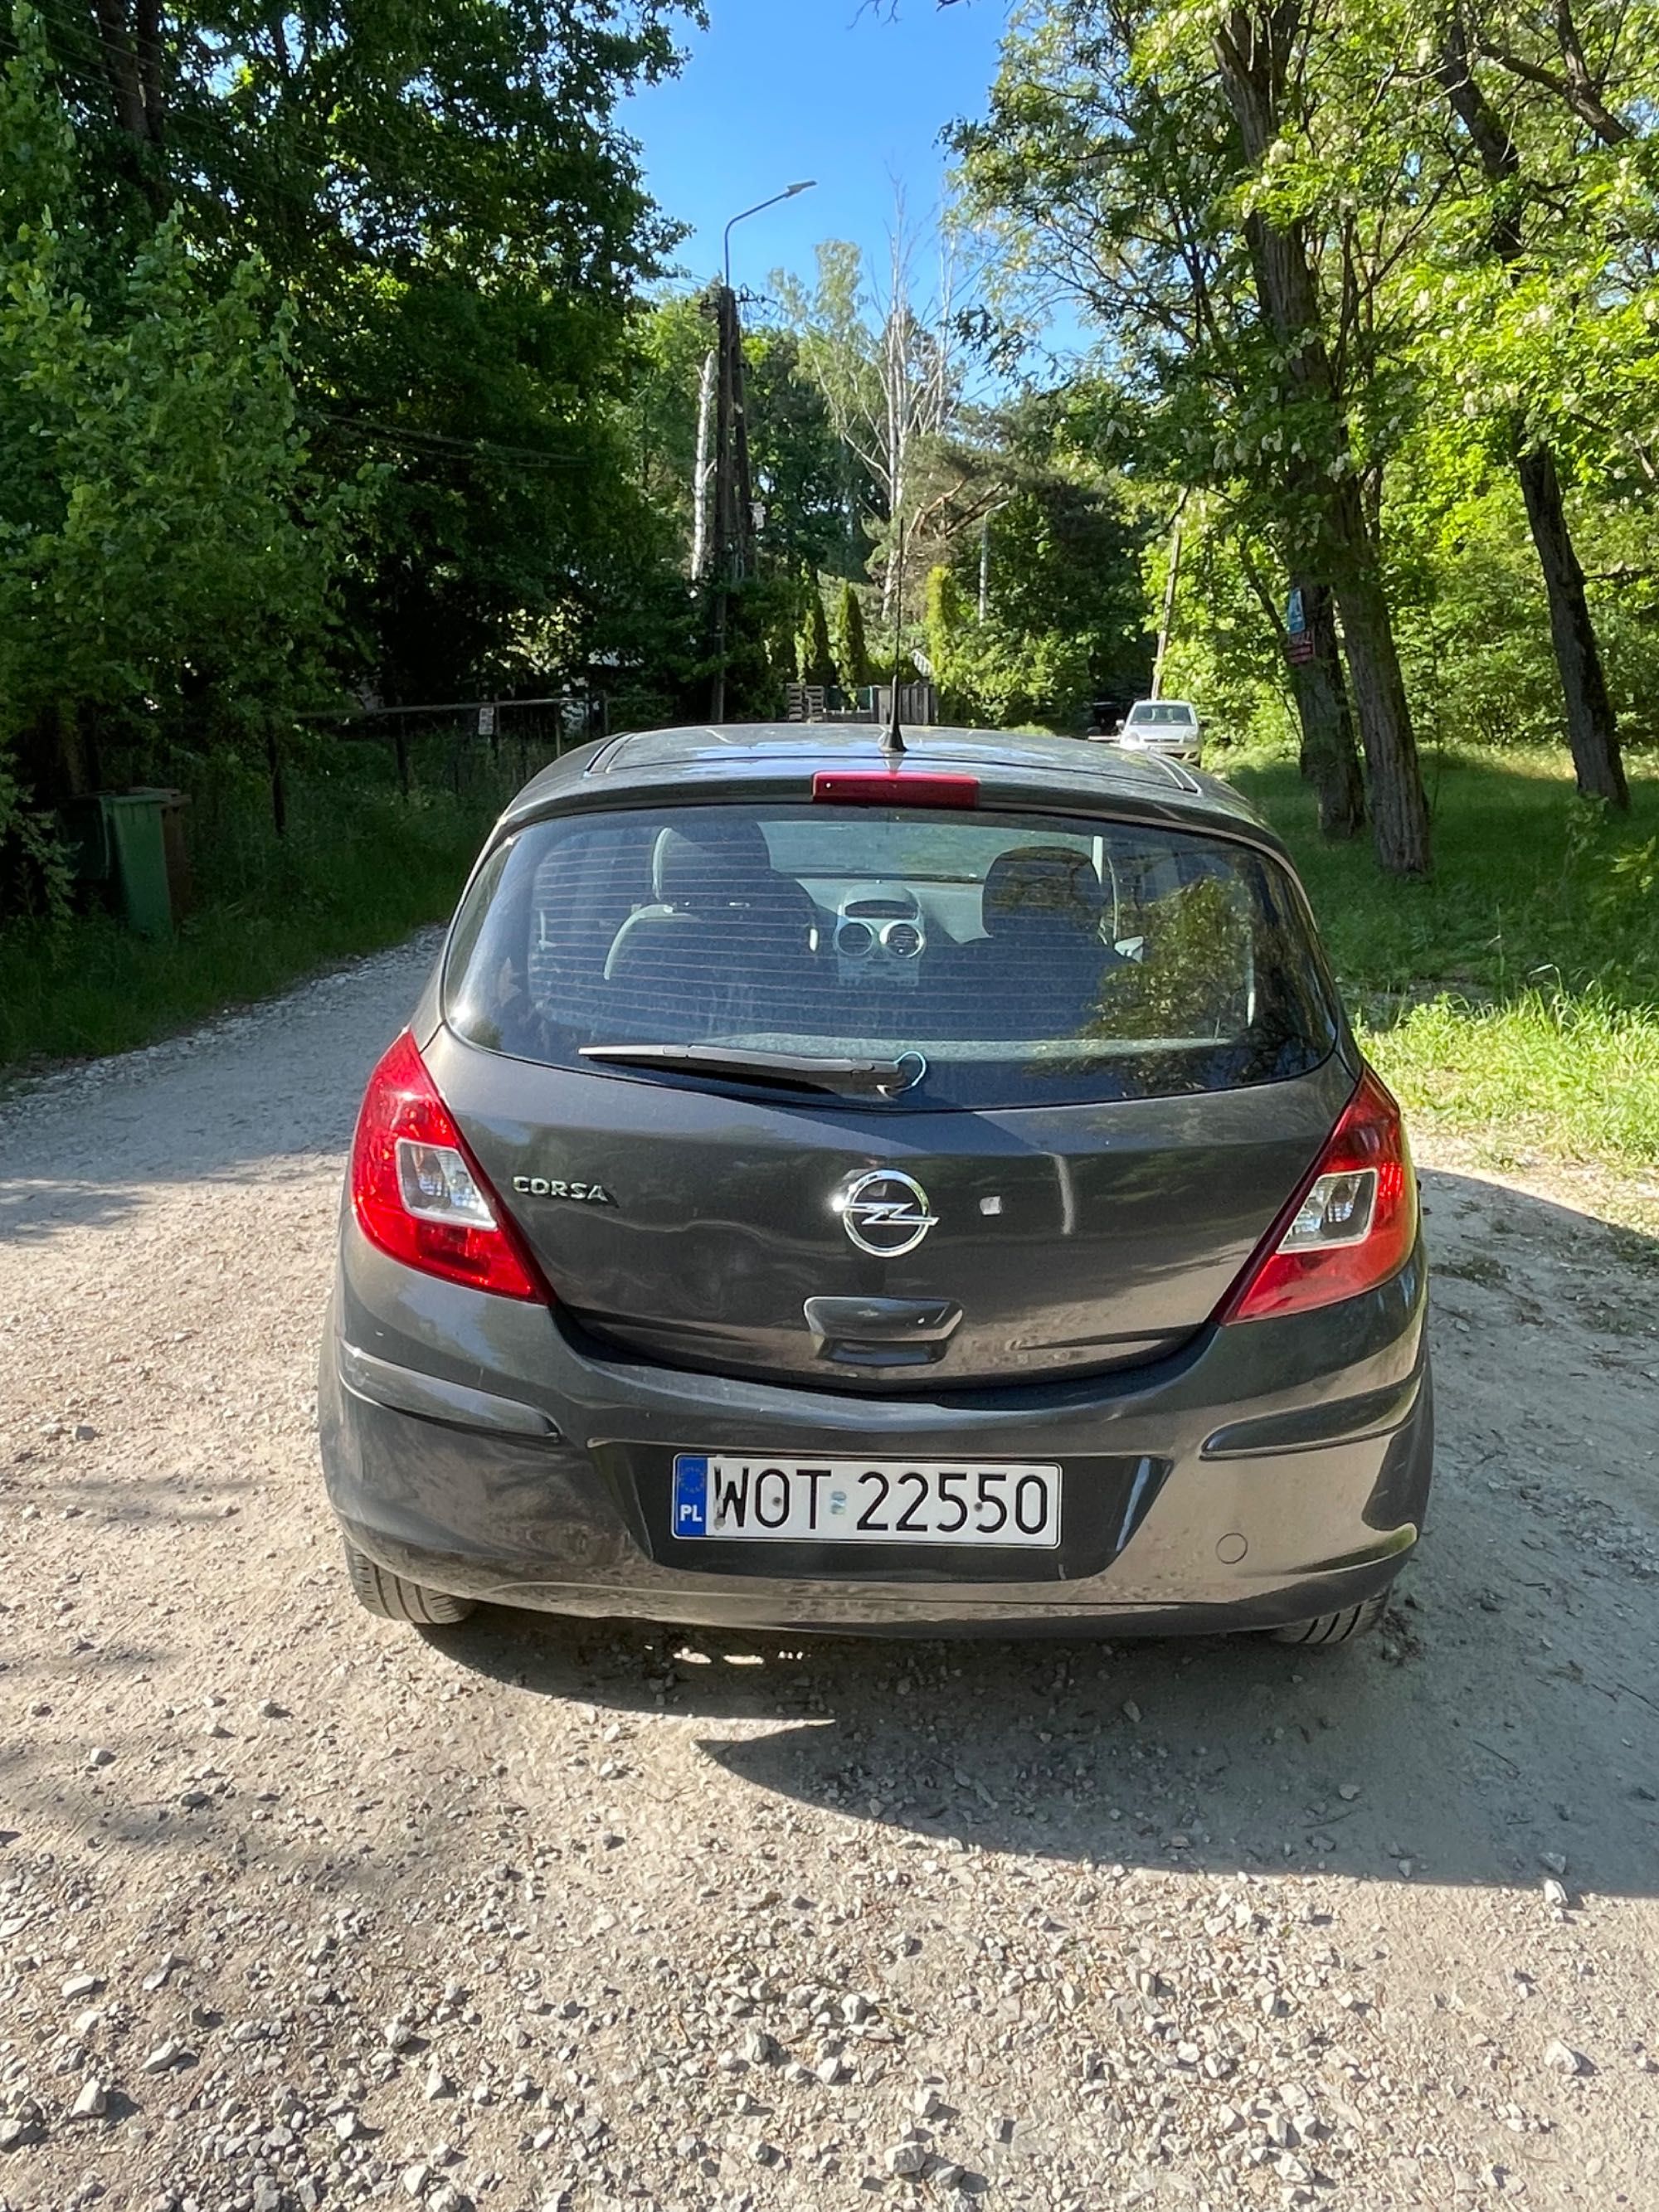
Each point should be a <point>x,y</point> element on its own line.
<point>776,90</point>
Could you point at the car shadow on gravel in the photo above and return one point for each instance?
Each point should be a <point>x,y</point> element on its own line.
<point>1404,1761</point>
<point>1503,1728</point>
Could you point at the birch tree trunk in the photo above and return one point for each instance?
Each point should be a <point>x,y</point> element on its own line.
<point>703,472</point>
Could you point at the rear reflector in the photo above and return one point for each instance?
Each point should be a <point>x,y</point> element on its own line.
<point>418,1191</point>
<point>1352,1224</point>
<point>854,787</point>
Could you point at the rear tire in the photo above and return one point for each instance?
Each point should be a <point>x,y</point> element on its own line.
<point>378,1591</point>
<point>1336,1627</point>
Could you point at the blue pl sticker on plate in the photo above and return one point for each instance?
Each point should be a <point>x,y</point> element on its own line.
<point>690,1495</point>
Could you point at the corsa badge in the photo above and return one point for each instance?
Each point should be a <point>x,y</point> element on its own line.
<point>581,1194</point>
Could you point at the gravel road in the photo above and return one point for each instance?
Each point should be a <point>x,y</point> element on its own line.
<point>301,1909</point>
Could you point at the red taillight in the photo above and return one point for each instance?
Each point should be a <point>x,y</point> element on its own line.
<point>418,1193</point>
<point>893,787</point>
<point>1352,1224</point>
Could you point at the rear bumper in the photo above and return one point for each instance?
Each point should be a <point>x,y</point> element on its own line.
<point>1292,1469</point>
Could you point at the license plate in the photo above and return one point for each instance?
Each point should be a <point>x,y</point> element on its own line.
<point>747,1496</point>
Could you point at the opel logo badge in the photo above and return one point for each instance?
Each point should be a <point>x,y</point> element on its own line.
<point>884,1213</point>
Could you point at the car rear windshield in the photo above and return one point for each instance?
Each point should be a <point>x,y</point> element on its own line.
<point>1025,959</point>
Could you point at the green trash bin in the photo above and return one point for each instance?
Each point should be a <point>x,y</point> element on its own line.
<point>143,826</point>
<point>85,834</point>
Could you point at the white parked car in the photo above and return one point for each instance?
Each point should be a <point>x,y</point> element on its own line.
<point>1169,726</point>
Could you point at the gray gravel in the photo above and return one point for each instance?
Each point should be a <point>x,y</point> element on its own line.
<point>301,1911</point>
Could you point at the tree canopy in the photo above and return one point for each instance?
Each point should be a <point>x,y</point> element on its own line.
<point>425,224</point>
<point>339,359</point>
<point>1374,286</point>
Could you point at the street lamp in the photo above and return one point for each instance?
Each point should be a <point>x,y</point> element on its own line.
<point>790,193</point>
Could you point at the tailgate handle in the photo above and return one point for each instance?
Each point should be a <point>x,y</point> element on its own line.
<point>882,1332</point>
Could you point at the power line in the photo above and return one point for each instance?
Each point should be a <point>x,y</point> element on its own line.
<point>392,434</point>
<point>79,27</point>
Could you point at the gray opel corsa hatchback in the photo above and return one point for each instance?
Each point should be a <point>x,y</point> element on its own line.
<point>830,1191</point>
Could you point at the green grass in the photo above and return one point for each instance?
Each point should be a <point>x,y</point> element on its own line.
<point>359,868</point>
<point>1513,999</point>
<point>1535,1077</point>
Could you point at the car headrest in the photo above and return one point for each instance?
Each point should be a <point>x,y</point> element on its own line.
<point>1045,887</point>
<point>710,866</point>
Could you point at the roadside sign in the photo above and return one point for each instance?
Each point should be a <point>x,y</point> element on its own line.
<point>486,721</point>
<point>1298,638</point>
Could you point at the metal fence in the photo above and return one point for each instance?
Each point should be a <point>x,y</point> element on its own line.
<point>825,702</point>
<point>529,731</point>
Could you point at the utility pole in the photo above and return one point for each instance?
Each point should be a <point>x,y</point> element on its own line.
<point>727,550</point>
<point>1168,623</point>
<point>733,551</point>
<point>731,555</point>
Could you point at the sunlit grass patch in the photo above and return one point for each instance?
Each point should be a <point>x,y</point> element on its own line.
<point>1551,1074</point>
<point>1513,1000</point>
<point>1532,888</point>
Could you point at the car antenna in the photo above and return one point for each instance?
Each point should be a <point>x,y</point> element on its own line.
<point>893,738</point>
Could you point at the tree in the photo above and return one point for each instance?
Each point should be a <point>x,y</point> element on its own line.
<point>1043,608</point>
<point>1153,161</point>
<point>1262,55</point>
<point>816,660</point>
<point>851,649</point>
<point>1513,195</point>
<point>801,476</point>
<point>891,373</point>
<point>167,553</point>
<point>442,193</point>
<point>997,679</point>
<point>673,343</point>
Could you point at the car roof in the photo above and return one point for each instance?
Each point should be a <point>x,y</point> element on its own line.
<point>703,762</point>
<point>1184,706</point>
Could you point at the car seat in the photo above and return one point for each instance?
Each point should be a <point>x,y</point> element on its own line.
<point>726,945</point>
<point>1036,971</point>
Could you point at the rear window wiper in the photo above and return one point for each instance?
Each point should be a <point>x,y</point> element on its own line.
<point>803,1070</point>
